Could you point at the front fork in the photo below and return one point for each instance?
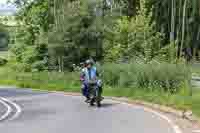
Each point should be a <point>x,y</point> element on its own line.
<point>95,93</point>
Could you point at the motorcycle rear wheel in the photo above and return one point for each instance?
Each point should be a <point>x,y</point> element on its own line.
<point>98,104</point>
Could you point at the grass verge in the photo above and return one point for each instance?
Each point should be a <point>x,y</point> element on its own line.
<point>69,82</point>
<point>196,101</point>
<point>196,69</point>
<point>196,92</point>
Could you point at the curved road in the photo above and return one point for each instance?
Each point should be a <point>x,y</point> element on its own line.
<point>44,112</point>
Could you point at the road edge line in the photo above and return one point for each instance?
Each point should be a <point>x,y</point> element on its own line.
<point>175,127</point>
<point>9,110</point>
<point>18,108</point>
<point>164,117</point>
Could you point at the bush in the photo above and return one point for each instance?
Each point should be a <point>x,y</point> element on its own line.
<point>39,66</point>
<point>132,37</point>
<point>162,77</point>
<point>21,67</point>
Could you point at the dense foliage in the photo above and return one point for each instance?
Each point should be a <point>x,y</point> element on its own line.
<point>67,32</point>
<point>141,44</point>
<point>161,77</point>
<point>31,48</point>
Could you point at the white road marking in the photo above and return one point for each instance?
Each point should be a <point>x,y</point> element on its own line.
<point>18,108</point>
<point>174,126</point>
<point>9,110</point>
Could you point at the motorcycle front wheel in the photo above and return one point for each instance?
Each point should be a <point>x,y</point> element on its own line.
<point>92,102</point>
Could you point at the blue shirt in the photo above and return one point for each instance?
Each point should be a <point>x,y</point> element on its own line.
<point>90,74</point>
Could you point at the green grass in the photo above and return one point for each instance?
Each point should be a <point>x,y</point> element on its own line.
<point>4,54</point>
<point>196,101</point>
<point>43,80</point>
<point>196,70</point>
<point>196,92</point>
<point>69,82</point>
<point>177,101</point>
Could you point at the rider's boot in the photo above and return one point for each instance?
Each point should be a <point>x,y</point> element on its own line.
<point>87,100</point>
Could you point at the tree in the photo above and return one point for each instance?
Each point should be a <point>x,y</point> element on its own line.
<point>131,38</point>
<point>32,33</point>
<point>79,27</point>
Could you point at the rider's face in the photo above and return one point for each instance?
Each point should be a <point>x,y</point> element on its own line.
<point>89,66</point>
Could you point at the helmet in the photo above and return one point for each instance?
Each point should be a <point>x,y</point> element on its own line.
<point>88,62</point>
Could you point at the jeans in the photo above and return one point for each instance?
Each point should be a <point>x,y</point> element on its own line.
<point>85,88</point>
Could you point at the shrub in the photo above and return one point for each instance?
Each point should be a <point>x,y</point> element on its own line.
<point>111,75</point>
<point>131,37</point>
<point>39,66</point>
<point>162,77</point>
<point>21,67</point>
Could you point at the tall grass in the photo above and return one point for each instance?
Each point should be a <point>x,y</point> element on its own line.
<point>40,80</point>
<point>159,83</point>
<point>49,80</point>
<point>195,101</point>
<point>196,69</point>
<point>162,77</point>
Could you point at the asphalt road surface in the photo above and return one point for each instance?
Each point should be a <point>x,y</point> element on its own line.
<point>42,112</point>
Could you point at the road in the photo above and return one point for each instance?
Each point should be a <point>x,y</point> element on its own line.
<point>42,112</point>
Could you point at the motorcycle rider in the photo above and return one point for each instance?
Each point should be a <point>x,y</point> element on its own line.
<point>88,73</point>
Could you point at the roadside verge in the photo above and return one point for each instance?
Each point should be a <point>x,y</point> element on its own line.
<point>185,114</point>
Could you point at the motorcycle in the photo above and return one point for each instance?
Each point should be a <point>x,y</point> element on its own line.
<point>94,93</point>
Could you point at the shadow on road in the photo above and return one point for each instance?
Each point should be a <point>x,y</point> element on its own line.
<point>108,105</point>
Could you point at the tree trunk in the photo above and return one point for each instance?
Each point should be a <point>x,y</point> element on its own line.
<point>172,33</point>
<point>183,27</point>
<point>55,18</point>
<point>59,64</point>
